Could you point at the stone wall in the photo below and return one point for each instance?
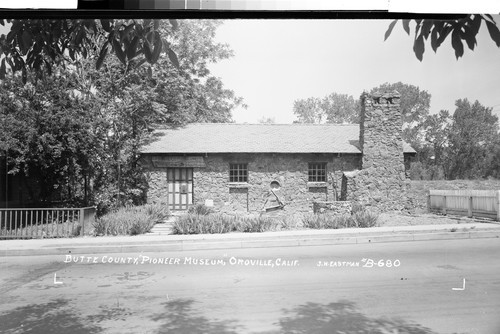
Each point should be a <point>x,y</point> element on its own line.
<point>290,170</point>
<point>381,182</point>
<point>337,207</point>
<point>157,184</point>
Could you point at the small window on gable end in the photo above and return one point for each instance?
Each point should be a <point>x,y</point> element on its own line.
<point>317,172</point>
<point>238,173</point>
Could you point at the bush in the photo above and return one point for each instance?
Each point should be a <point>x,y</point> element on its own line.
<point>200,209</point>
<point>130,220</point>
<point>211,223</point>
<point>106,199</point>
<point>157,212</point>
<point>256,224</point>
<point>365,218</point>
<point>419,171</point>
<point>357,207</point>
<point>344,221</point>
<point>328,220</point>
<point>362,217</point>
<point>190,223</point>
<point>291,222</point>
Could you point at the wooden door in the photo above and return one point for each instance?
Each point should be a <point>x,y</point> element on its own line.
<point>180,188</point>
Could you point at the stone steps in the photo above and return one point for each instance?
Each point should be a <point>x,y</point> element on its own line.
<point>163,228</point>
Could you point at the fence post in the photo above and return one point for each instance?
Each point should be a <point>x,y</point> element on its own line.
<point>444,204</point>
<point>429,201</point>
<point>469,211</point>
<point>498,205</point>
<point>81,220</point>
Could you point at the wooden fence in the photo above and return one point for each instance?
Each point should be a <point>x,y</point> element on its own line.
<point>22,223</point>
<point>470,203</point>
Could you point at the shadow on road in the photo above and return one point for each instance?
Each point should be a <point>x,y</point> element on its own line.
<point>311,318</point>
<point>179,317</point>
<point>54,317</point>
<point>341,317</point>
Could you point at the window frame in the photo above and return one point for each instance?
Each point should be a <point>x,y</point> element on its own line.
<point>314,169</point>
<point>238,172</point>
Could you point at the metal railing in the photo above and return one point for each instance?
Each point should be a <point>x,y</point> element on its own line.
<point>470,203</point>
<point>26,223</point>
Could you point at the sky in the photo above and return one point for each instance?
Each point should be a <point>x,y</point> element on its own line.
<point>279,61</point>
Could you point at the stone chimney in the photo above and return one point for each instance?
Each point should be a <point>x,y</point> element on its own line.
<point>381,180</point>
<point>380,131</point>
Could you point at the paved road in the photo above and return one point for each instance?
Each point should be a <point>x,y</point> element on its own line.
<point>317,289</point>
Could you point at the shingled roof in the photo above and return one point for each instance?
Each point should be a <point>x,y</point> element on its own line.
<point>258,138</point>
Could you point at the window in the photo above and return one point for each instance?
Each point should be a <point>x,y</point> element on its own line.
<point>317,172</point>
<point>238,173</point>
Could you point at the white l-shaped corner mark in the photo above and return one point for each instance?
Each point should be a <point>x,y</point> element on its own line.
<point>55,279</point>
<point>460,289</point>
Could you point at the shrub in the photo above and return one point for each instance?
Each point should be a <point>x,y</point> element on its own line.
<point>327,220</point>
<point>291,222</point>
<point>361,218</point>
<point>420,171</point>
<point>190,223</point>
<point>157,212</point>
<point>200,209</point>
<point>344,221</point>
<point>316,221</point>
<point>127,221</point>
<point>357,207</point>
<point>256,224</point>
<point>365,218</point>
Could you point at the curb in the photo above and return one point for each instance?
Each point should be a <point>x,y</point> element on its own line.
<point>242,243</point>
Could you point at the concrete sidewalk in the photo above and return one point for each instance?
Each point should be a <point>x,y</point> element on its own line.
<point>159,243</point>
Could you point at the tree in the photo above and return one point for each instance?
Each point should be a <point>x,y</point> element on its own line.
<point>341,108</point>
<point>473,133</point>
<point>333,108</point>
<point>42,44</point>
<point>48,136</point>
<point>432,152</point>
<point>267,120</point>
<point>492,161</point>
<point>115,108</point>
<point>309,110</point>
<point>155,95</point>
<point>437,129</point>
<point>462,29</point>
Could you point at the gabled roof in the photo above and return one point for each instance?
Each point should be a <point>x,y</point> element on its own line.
<point>258,138</point>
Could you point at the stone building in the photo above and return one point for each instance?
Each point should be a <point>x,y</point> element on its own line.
<point>252,167</point>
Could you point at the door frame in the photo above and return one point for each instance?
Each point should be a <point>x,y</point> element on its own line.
<point>177,179</point>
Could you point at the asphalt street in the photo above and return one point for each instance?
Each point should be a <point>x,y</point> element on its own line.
<point>445,286</point>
